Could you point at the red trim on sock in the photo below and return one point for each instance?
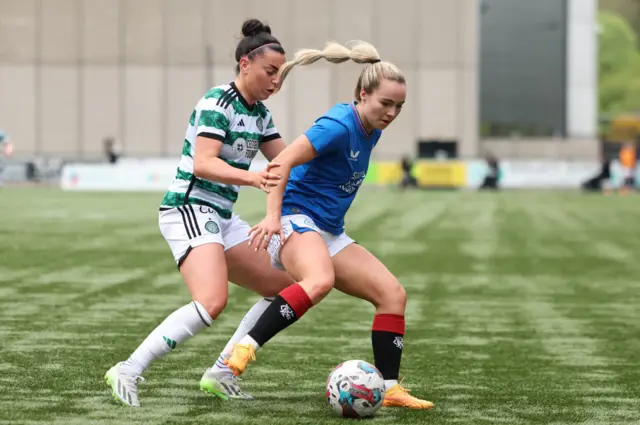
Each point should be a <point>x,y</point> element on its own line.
<point>388,323</point>
<point>297,298</point>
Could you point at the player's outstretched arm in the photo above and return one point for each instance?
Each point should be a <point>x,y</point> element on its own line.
<point>208,165</point>
<point>298,153</point>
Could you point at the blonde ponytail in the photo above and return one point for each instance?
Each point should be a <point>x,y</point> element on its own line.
<point>359,52</point>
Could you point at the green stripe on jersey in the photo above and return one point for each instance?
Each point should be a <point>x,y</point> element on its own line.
<point>215,93</point>
<point>213,119</point>
<point>186,149</point>
<point>174,199</point>
<point>224,191</point>
<point>232,136</point>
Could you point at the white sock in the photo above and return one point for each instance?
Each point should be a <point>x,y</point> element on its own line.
<point>179,326</point>
<point>248,340</point>
<point>247,323</point>
<point>388,383</point>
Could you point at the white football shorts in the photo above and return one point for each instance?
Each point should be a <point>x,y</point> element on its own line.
<point>189,226</point>
<point>302,223</point>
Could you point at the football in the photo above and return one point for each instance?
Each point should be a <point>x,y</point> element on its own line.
<point>355,389</point>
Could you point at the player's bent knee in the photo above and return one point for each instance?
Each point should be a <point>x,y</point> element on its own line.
<point>213,304</point>
<point>400,296</point>
<point>394,299</point>
<point>322,284</point>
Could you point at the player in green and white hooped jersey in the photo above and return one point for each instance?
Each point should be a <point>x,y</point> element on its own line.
<point>227,128</point>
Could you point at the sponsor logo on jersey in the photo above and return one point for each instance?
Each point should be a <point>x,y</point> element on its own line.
<point>253,146</point>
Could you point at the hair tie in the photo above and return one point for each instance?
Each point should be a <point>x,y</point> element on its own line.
<point>261,46</point>
<point>376,61</point>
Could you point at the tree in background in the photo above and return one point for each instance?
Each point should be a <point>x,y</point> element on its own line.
<point>630,9</point>
<point>619,65</point>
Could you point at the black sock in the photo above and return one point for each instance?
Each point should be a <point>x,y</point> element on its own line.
<point>284,310</point>
<point>387,353</point>
<point>387,339</point>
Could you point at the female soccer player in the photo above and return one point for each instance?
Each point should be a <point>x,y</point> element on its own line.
<point>322,171</point>
<point>6,150</point>
<point>227,128</point>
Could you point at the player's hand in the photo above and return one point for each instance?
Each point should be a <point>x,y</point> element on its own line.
<point>264,180</point>
<point>260,235</point>
<point>271,166</point>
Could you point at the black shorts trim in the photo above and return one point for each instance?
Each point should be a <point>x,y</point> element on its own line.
<point>184,257</point>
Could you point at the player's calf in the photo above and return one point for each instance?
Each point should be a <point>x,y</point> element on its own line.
<point>285,309</point>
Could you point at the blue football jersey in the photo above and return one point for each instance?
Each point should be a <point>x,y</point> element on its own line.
<point>325,187</point>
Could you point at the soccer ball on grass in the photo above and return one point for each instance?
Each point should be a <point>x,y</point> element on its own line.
<point>355,389</point>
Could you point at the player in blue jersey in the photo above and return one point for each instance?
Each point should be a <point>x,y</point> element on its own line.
<point>322,171</point>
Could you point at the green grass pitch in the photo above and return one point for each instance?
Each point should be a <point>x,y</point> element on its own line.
<point>524,308</point>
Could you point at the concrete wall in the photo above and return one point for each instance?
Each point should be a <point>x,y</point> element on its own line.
<point>534,148</point>
<point>74,71</point>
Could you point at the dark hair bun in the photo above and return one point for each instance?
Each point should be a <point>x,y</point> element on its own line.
<point>252,27</point>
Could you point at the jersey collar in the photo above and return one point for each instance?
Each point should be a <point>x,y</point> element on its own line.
<point>240,97</point>
<point>359,121</point>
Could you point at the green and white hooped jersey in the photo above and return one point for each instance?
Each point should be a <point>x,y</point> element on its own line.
<point>221,114</point>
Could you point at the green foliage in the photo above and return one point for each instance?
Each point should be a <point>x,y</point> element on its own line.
<point>619,65</point>
<point>630,9</point>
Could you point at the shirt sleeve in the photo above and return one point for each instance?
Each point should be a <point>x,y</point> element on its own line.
<point>327,135</point>
<point>212,120</point>
<point>271,132</point>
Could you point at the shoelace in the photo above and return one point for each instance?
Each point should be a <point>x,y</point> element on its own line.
<point>231,377</point>
<point>401,388</point>
<point>248,351</point>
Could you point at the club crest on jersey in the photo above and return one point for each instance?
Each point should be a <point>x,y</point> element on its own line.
<point>259,123</point>
<point>212,227</point>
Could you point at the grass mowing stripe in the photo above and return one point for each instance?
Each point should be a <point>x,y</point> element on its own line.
<point>506,290</point>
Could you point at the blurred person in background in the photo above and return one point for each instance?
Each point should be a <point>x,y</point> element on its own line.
<point>492,178</point>
<point>6,150</point>
<point>602,181</point>
<point>628,164</point>
<point>408,180</point>
<point>112,149</point>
